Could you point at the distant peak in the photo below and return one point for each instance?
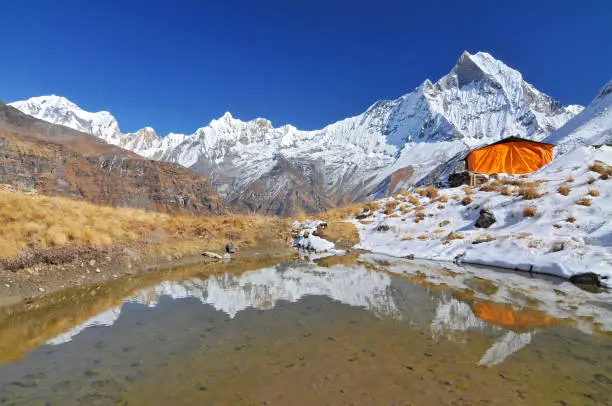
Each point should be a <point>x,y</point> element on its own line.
<point>227,115</point>
<point>52,100</point>
<point>606,90</point>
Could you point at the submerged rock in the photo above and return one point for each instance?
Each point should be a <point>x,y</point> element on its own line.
<point>486,219</point>
<point>211,255</point>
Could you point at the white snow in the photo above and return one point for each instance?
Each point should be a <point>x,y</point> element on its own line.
<point>480,101</point>
<point>307,241</point>
<point>518,242</point>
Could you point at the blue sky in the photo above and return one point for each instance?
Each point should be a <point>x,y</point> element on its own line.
<point>177,65</point>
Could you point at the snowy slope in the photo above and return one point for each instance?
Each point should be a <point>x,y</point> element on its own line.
<point>592,127</point>
<point>567,234</point>
<point>481,100</point>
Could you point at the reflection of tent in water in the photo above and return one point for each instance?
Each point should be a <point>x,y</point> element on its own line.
<point>512,317</point>
<point>511,155</point>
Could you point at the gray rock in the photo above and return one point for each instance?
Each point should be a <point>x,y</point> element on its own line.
<point>382,227</point>
<point>230,248</point>
<point>587,278</point>
<point>485,220</point>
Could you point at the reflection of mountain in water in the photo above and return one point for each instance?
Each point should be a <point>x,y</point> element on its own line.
<point>355,286</point>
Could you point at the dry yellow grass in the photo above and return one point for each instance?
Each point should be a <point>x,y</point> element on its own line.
<point>407,238</point>
<point>467,190</point>
<point>529,192</point>
<point>529,211</point>
<point>491,187</point>
<point>585,201</point>
<point>593,192</point>
<point>564,190</point>
<point>414,200</point>
<point>570,219</point>
<point>40,222</point>
<point>591,180</point>
<point>570,179</point>
<point>404,209</point>
<point>506,190</point>
<point>443,198</point>
<point>456,198</point>
<point>419,216</point>
<point>601,168</point>
<point>432,192</point>
<point>423,237</point>
<point>466,200</point>
<point>454,236</point>
<point>344,212</point>
<point>444,223</point>
<point>390,206</point>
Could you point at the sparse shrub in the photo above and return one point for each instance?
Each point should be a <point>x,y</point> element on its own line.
<point>599,167</point>
<point>466,200</point>
<point>570,219</point>
<point>506,191</point>
<point>423,237</point>
<point>570,179</point>
<point>557,225</point>
<point>594,192</point>
<point>444,223</point>
<point>585,201</point>
<point>454,236</point>
<point>529,211</point>
<point>604,176</point>
<point>533,244</point>
<point>407,238</point>
<point>414,200</point>
<point>390,206</point>
<point>439,231</point>
<point>467,190</point>
<point>404,209</point>
<point>591,180</point>
<point>419,216</point>
<point>564,190</point>
<point>529,192</point>
<point>443,198</point>
<point>371,207</point>
<point>441,206</point>
<point>491,187</point>
<point>432,192</point>
<point>456,198</point>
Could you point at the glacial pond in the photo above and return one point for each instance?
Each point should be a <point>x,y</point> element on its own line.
<point>357,330</point>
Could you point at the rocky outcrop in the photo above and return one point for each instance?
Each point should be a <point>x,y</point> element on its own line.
<point>56,160</point>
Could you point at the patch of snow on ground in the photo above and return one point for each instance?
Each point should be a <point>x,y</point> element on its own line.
<point>447,230</point>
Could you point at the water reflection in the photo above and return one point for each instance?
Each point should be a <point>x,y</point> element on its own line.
<point>426,303</point>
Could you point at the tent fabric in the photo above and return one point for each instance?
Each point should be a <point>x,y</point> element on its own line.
<point>513,157</point>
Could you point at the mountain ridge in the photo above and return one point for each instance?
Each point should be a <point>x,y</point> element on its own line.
<point>480,100</point>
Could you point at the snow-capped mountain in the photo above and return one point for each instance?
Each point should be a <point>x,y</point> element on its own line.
<point>281,170</point>
<point>591,127</point>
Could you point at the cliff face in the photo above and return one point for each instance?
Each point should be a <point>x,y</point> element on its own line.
<point>57,160</point>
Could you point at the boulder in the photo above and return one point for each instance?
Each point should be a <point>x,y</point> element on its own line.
<point>485,220</point>
<point>587,278</point>
<point>230,248</point>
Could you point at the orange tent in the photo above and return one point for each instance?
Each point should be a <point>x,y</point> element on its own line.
<point>512,155</point>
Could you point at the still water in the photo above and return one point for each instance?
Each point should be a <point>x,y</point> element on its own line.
<point>361,330</point>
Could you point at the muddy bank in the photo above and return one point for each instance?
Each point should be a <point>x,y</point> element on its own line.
<point>52,271</point>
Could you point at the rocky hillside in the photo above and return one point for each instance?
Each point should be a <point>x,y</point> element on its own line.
<point>395,143</point>
<point>57,160</point>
